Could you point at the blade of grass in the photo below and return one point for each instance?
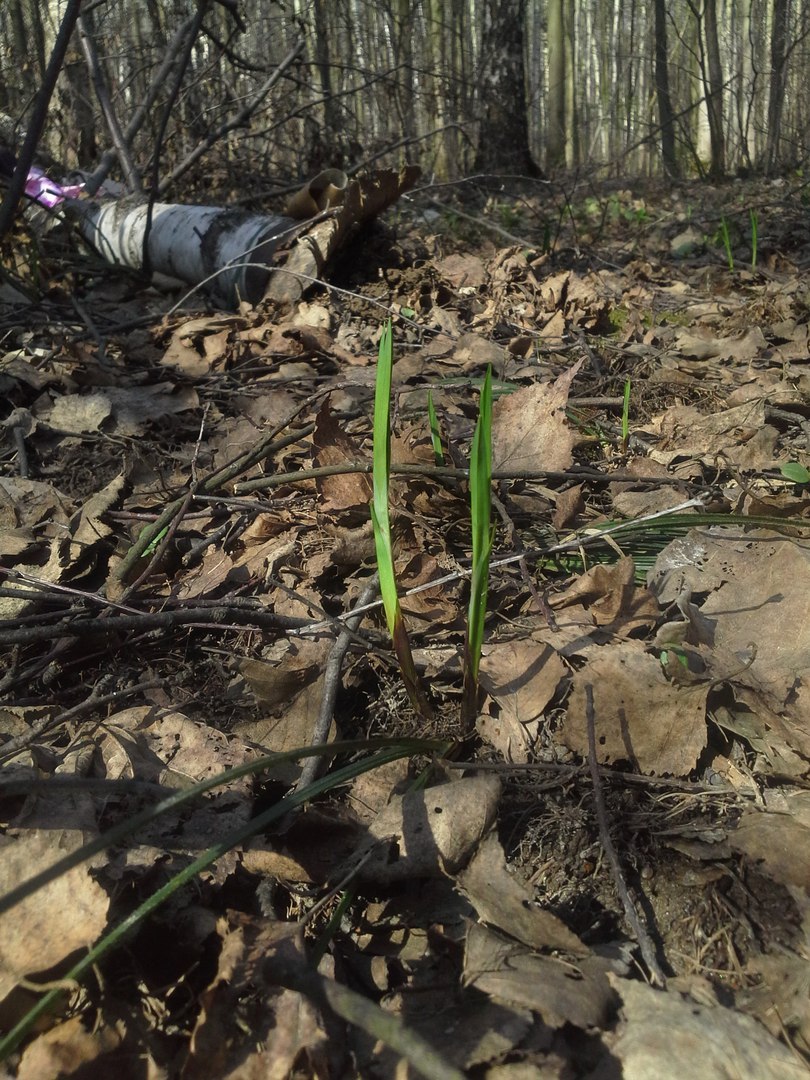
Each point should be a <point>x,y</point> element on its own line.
<point>435,436</point>
<point>752,214</point>
<point>381,478</point>
<point>626,414</point>
<point>110,940</point>
<point>179,799</point>
<point>482,536</point>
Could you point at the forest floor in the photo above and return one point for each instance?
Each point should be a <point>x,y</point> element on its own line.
<point>610,876</point>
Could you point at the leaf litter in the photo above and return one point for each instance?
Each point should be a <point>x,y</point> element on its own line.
<point>646,700</point>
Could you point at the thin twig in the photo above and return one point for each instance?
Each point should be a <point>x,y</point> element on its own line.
<point>642,937</point>
<point>449,473</point>
<point>174,48</point>
<point>215,617</point>
<point>99,82</point>
<point>331,682</point>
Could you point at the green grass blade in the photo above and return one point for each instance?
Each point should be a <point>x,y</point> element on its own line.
<point>110,940</point>
<point>482,536</point>
<point>626,414</point>
<point>435,436</point>
<point>381,478</point>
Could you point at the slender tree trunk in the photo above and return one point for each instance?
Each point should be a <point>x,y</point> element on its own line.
<point>747,85</point>
<point>503,141</point>
<point>556,127</point>
<point>572,85</point>
<point>328,150</point>
<point>714,90</point>
<point>777,88</point>
<point>665,117</point>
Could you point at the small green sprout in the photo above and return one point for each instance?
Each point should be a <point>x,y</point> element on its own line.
<point>435,435</point>
<point>381,478</point>
<point>482,536</point>
<point>626,414</point>
<point>752,215</point>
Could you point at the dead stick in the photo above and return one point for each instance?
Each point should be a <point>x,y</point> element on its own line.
<point>644,940</point>
<point>331,682</point>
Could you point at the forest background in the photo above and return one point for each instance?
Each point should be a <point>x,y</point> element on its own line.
<point>625,87</point>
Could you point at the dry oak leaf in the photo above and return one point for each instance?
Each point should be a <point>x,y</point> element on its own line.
<point>667,1037</point>
<point>433,831</point>
<point>529,429</point>
<point>65,915</point>
<point>639,716</point>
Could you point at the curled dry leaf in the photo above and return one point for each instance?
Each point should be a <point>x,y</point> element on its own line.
<point>47,927</point>
<point>529,429</point>
<point>668,1037</point>
<point>432,831</point>
<point>639,716</point>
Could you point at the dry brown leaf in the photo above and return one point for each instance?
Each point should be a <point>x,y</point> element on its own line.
<point>529,429</point>
<point>434,831</point>
<point>640,717</point>
<point>502,899</point>
<point>779,842</point>
<point>562,993</point>
<point>285,1027</point>
<point>69,1049</point>
<point>297,665</point>
<point>738,436</point>
<point>610,594</point>
<point>767,590</point>
<point>521,677</point>
<point>132,408</point>
<point>167,747</point>
<point>462,271</point>
<point>667,1037</point>
<point>86,526</point>
<point>65,915</point>
<point>333,446</point>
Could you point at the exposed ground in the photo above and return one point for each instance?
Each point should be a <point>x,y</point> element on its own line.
<point>633,808</point>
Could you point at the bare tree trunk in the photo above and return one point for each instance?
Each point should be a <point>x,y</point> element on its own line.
<point>714,90</point>
<point>503,141</point>
<point>777,88</point>
<point>326,152</point>
<point>665,117</point>
<point>746,91</point>
<point>556,127</point>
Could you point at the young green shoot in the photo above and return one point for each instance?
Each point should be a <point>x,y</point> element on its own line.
<point>381,477</point>
<point>435,435</point>
<point>752,214</point>
<point>626,415</point>
<point>482,536</point>
<point>725,236</point>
